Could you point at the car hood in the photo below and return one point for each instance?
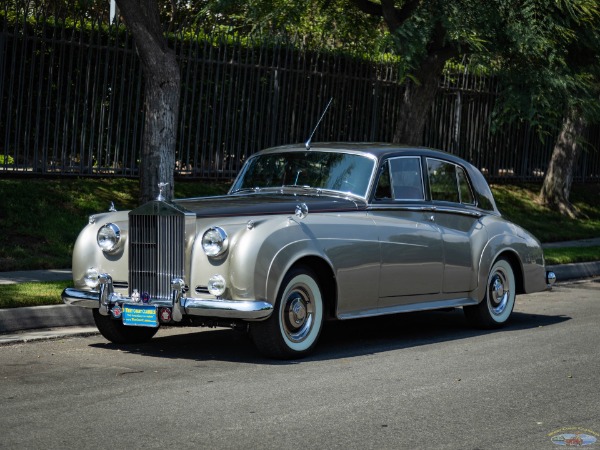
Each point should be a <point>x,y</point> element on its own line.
<point>265,204</point>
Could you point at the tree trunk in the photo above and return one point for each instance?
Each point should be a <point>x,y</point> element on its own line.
<point>559,177</point>
<point>161,96</point>
<point>420,91</point>
<point>418,99</point>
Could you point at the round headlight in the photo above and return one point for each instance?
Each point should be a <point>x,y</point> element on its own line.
<point>214,241</point>
<point>216,285</point>
<point>109,237</point>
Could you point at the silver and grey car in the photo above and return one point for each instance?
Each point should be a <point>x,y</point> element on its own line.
<point>334,232</point>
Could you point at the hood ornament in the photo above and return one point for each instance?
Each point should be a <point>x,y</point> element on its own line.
<point>111,207</point>
<point>301,211</point>
<point>161,191</point>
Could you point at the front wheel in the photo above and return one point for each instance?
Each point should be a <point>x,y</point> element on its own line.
<point>293,328</point>
<point>495,309</point>
<point>117,333</point>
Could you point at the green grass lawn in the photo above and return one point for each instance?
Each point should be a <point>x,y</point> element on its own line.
<point>571,255</point>
<point>41,219</point>
<point>519,205</point>
<point>32,294</point>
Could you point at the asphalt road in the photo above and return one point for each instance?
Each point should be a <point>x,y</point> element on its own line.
<point>412,381</point>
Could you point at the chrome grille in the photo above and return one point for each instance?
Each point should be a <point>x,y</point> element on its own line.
<point>156,251</point>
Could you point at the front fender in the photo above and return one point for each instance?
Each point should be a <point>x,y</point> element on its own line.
<point>286,258</point>
<point>86,252</point>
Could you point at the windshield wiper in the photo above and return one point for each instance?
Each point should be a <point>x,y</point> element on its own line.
<point>298,186</point>
<point>252,189</point>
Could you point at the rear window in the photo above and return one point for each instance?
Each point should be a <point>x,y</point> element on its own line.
<point>406,178</point>
<point>448,182</point>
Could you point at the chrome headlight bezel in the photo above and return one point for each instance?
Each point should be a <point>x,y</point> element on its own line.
<point>109,238</point>
<point>214,242</point>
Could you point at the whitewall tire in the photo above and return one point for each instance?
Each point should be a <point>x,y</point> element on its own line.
<point>497,306</point>
<point>294,327</point>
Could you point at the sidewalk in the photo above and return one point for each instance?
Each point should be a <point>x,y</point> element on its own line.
<point>45,322</point>
<point>28,276</point>
<point>42,322</point>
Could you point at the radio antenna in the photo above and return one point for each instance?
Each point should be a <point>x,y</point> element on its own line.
<point>307,144</point>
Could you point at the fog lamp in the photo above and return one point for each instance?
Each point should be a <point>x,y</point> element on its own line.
<point>216,285</point>
<point>91,278</point>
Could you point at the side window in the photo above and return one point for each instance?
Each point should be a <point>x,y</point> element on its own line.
<point>466,195</point>
<point>384,189</point>
<point>442,181</point>
<point>407,180</point>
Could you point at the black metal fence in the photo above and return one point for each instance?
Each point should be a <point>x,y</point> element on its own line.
<point>71,94</point>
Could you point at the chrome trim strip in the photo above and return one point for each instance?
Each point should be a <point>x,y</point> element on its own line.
<point>463,212</point>
<point>425,306</point>
<point>441,209</point>
<point>392,207</point>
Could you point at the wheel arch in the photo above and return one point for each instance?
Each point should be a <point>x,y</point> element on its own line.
<point>498,247</point>
<point>517,267</point>
<point>326,279</point>
<point>322,270</point>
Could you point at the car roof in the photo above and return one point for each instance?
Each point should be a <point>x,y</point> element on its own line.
<point>378,149</point>
<point>382,151</point>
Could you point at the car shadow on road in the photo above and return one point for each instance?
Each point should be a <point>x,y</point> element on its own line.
<point>340,339</point>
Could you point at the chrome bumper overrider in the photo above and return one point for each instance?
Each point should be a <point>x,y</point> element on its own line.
<point>106,298</point>
<point>550,279</point>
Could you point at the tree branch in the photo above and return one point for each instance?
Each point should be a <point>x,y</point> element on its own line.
<point>390,15</point>
<point>407,10</point>
<point>368,7</point>
<point>394,17</point>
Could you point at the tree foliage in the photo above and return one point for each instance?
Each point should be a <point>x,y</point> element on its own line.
<point>550,62</point>
<point>329,24</point>
<point>550,69</point>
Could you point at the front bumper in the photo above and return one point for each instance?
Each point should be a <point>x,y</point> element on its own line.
<point>105,299</point>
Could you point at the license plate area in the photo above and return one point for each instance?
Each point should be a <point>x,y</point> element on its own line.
<point>140,315</point>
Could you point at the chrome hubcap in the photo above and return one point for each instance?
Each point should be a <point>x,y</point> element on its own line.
<point>297,314</point>
<point>499,292</point>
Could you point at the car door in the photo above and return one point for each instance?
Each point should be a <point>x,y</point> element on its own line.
<point>410,243</point>
<point>458,221</point>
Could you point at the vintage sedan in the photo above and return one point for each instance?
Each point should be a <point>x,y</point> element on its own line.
<point>337,231</point>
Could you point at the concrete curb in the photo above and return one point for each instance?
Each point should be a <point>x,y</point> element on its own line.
<point>36,317</point>
<point>46,334</point>
<point>573,271</point>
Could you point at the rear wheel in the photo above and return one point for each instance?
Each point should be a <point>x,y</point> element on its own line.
<point>293,329</point>
<point>117,333</point>
<point>497,306</point>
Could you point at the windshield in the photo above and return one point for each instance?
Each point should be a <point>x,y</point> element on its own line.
<point>344,172</point>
